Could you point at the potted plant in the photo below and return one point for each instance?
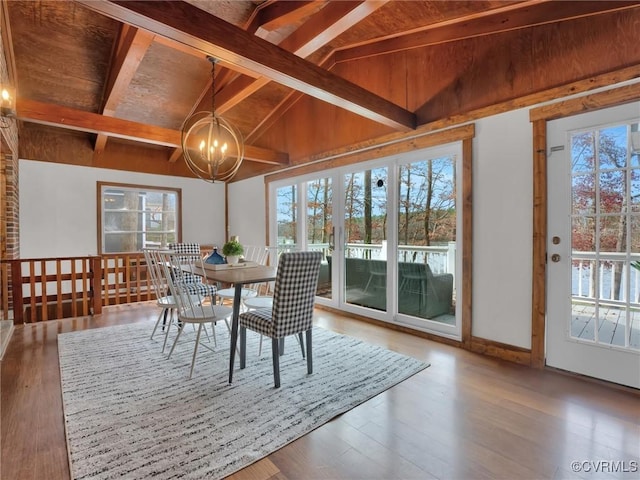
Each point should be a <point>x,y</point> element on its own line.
<point>232,251</point>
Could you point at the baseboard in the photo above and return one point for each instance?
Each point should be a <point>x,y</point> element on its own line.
<point>503,351</point>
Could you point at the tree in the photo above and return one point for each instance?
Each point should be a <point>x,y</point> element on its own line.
<point>599,195</point>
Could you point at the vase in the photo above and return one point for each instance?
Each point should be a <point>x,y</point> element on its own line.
<point>233,259</point>
<point>215,258</point>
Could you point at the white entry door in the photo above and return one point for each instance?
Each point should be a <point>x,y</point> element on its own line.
<point>593,283</point>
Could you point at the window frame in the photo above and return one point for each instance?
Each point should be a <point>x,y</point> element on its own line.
<point>102,186</point>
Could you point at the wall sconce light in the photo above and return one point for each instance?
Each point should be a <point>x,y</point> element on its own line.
<point>7,104</point>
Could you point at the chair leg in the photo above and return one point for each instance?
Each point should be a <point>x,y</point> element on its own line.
<point>213,330</point>
<point>195,351</point>
<point>166,332</point>
<point>175,342</point>
<point>155,327</point>
<point>281,346</point>
<point>301,343</point>
<point>276,361</point>
<point>309,357</point>
<point>243,347</point>
<point>164,322</point>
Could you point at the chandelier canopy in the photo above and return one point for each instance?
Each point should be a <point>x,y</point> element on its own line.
<point>212,147</point>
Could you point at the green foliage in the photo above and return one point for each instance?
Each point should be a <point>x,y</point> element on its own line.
<point>232,247</point>
<point>636,265</point>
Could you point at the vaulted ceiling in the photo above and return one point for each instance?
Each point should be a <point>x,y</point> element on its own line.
<point>109,83</point>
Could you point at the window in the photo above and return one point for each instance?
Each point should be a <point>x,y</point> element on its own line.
<point>132,217</point>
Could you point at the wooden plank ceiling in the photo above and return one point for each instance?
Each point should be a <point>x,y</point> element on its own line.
<point>101,81</point>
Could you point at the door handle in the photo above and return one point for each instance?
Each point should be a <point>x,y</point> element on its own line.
<point>555,258</point>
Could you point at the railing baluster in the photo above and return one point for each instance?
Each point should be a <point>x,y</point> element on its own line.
<point>59,313</point>
<point>74,299</point>
<point>97,273</point>
<point>43,276</point>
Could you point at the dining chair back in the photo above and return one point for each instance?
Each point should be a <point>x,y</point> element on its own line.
<point>164,299</point>
<point>252,253</point>
<point>292,311</point>
<point>188,253</point>
<point>190,305</point>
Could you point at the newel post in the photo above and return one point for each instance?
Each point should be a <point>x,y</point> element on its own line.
<point>16,291</point>
<point>96,285</point>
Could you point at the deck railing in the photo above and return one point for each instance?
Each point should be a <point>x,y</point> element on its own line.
<point>441,258</point>
<point>53,288</point>
<point>607,276</point>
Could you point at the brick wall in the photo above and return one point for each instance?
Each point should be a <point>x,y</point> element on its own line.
<point>9,197</point>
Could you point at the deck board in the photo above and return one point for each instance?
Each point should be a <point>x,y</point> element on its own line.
<point>611,325</point>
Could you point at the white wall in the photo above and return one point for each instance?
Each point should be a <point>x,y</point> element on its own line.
<point>247,211</point>
<point>58,211</point>
<point>502,210</point>
<point>58,218</point>
<point>502,228</point>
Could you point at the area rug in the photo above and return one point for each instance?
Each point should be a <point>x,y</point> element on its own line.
<point>131,413</point>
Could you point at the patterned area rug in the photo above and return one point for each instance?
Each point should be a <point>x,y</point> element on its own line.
<point>131,413</point>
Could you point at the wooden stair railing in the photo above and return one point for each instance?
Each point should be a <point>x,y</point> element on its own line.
<point>54,288</point>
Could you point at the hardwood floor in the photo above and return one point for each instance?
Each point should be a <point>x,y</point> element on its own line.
<point>466,416</point>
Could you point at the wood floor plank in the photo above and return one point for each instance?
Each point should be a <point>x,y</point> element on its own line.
<point>466,416</point>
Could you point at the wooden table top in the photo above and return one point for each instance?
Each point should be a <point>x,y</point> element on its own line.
<point>257,274</point>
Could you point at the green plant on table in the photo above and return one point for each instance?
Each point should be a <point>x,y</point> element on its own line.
<point>233,248</point>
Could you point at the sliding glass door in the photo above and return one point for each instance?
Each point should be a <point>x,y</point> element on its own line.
<point>388,233</point>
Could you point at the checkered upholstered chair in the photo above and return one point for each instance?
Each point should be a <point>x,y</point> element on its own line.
<point>196,285</point>
<point>292,311</point>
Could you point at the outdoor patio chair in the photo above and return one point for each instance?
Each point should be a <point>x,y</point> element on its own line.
<point>292,312</point>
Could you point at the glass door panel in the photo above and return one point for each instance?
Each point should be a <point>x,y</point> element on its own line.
<point>427,239</point>
<point>365,238</point>
<point>319,227</point>
<point>287,218</point>
<point>604,237</point>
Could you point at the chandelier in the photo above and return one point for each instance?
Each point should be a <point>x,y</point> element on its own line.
<point>212,147</point>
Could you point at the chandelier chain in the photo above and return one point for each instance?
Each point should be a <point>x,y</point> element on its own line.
<point>213,85</point>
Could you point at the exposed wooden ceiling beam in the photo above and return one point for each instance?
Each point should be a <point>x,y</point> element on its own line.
<point>187,24</point>
<point>322,27</point>
<point>502,19</point>
<point>132,47</point>
<point>280,14</point>
<point>80,120</point>
<point>330,22</point>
